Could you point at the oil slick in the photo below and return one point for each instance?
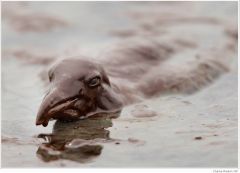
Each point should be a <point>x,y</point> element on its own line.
<point>79,141</point>
<point>143,111</point>
<point>163,50</point>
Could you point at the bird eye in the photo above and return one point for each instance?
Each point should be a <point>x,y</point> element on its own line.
<point>51,76</point>
<point>94,82</point>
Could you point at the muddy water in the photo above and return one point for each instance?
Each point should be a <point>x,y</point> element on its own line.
<point>170,130</point>
<point>77,141</point>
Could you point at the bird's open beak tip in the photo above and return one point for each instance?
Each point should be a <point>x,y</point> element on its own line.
<point>41,122</point>
<point>38,123</point>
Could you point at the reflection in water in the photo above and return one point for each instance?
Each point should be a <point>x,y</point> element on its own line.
<point>78,141</point>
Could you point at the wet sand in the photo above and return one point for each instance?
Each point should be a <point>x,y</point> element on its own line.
<point>173,129</point>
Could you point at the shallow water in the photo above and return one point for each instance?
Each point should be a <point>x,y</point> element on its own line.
<point>171,131</point>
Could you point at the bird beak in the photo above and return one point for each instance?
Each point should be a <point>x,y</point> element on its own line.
<point>51,104</point>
